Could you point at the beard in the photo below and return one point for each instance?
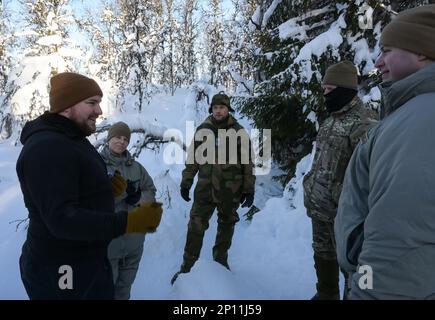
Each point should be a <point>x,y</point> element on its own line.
<point>85,128</point>
<point>84,124</point>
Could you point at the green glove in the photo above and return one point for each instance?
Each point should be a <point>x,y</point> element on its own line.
<point>145,218</point>
<point>119,185</point>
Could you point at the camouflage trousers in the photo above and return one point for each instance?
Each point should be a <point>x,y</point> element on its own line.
<point>325,249</point>
<point>324,239</point>
<point>198,223</point>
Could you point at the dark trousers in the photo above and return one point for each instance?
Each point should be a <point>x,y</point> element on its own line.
<point>91,280</point>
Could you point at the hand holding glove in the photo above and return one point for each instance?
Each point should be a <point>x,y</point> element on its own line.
<point>247,200</point>
<point>133,194</point>
<point>145,218</point>
<point>119,185</point>
<point>185,194</point>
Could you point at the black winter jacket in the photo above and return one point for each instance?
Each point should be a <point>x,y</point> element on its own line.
<point>68,195</point>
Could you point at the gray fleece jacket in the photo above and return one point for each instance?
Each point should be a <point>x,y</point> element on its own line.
<point>386,212</point>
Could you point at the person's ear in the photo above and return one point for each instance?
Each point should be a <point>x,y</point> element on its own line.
<point>65,112</point>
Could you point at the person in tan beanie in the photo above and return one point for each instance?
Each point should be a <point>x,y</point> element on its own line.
<point>385,224</point>
<point>125,252</point>
<point>70,198</point>
<point>407,43</point>
<point>337,137</point>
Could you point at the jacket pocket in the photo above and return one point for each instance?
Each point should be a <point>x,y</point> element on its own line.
<point>354,244</point>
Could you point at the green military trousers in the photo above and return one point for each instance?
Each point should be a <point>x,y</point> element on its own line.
<point>325,259</point>
<point>199,221</point>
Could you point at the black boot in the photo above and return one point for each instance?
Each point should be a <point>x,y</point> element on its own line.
<point>223,241</point>
<point>346,285</point>
<point>174,278</point>
<point>223,262</point>
<point>327,279</point>
<point>188,263</point>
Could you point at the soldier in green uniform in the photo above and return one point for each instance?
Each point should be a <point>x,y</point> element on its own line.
<point>338,135</point>
<point>225,180</point>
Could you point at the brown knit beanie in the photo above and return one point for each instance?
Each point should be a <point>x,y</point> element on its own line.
<point>119,129</point>
<point>342,74</point>
<point>68,89</point>
<point>412,30</point>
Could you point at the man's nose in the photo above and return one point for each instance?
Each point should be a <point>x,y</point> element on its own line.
<point>98,110</point>
<point>379,62</point>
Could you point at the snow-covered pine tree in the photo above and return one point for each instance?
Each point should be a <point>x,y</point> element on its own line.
<point>141,24</point>
<point>104,36</point>
<point>297,41</point>
<point>4,65</point>
<point>187,37</point>
<point>213,41</point>
<point>47,50</point>
<point>104,58</point>
<point>240,47</point>
<point>167,68</point>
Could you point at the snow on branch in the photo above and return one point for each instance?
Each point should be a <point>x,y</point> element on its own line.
<point>291,28</point>
<point>269,12</point>
<point>151,136</point>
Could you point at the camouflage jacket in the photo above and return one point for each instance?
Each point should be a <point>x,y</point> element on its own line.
<point>337,138</point>
<point>219,180</point>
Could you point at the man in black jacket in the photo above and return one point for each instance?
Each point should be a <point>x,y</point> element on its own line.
<point>70,198</point>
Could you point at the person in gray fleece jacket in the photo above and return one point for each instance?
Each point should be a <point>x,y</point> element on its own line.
<point>385,225</point>
<point>125,252</point>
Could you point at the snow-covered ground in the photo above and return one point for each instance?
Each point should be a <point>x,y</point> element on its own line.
<point>271,256</point>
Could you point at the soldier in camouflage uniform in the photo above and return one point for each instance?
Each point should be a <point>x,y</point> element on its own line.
<point>223,184</point>
<point>337,137</point>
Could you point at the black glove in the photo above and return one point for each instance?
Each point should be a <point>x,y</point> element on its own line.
<point>247,200</point>
<point>185,194</point>
<point>133,193</point>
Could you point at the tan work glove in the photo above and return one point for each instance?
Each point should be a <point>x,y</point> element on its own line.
<point>145,218</point>
<point>119,184</point>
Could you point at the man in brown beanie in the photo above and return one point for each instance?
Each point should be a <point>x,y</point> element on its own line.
<point>70,198</point>
<point>385,226</point>
<point>337,137</point>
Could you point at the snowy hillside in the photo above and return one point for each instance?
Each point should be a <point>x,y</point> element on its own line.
<point>271,257</point>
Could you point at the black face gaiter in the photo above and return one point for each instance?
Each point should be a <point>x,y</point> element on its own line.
<point>338,98</point>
